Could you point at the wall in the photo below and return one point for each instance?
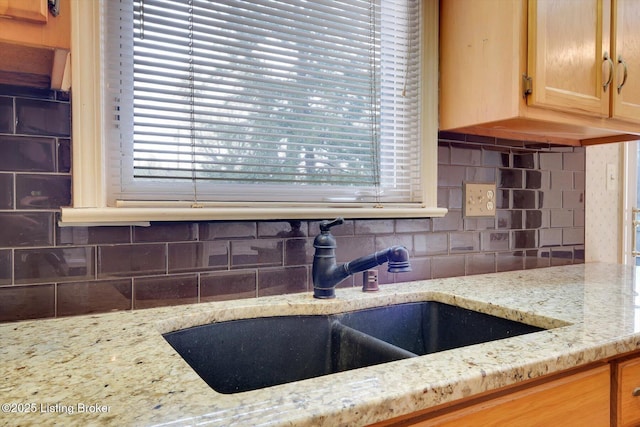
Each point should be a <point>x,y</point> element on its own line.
<point>604,206</point>
<point>47,271</point>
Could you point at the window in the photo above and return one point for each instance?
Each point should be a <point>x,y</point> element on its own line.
<point>264,104</point>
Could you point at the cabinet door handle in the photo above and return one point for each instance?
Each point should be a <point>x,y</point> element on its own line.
<point>607,59</point>
<point>636,391</point>
<point>624,74</point>
<point>54,7</point>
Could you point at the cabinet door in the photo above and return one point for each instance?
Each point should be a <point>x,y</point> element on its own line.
<point>25,10</point>
<point>626,93</point>
<point>55,33</point>
<point>482,59</point>
<point>628,405</point>
<point>579,400</point>
<point>569,55</point>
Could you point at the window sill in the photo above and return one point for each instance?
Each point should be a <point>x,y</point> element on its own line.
<point>143,216</point>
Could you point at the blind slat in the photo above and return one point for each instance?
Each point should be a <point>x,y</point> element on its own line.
<point>244,94</point>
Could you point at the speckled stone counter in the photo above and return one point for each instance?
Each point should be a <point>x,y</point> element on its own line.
<point>117,369</point>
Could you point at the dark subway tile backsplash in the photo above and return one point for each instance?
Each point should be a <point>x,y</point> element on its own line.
<point>228,285</point>
<point>523,239</point>
<point>27,302</point>
<point>131,260</point>
<point>509,219</point>
<point>227,230</point>
<point>27,154</point>
<point>495,241</point>
<point>165,232</point>
<point>161,291</point>
<point>6,264</point>
<point>7,120</point>
<point>525,160</point>
<point>42,117</point>
<point>533,219</point>
<point>198,256</point>
<point>50,265</point>
<point>573,161</point>
<point>42,191</point>
<point>524,199</point>
<point>48,271</point>
<point>93,297</point>
<point>21,229</point>
<point>64,155</point>
<point>92,235</point>
<point>6,191</point>
<point>510,178</point>
<point>256,253</point>
<point>282,281</point>
<point>533,179</point>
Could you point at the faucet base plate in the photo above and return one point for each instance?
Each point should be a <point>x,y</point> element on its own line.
<point>324,293</point>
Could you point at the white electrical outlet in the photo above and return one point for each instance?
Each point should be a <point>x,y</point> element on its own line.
<point>479,199</point>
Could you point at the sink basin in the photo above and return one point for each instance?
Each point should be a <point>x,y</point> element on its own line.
<point>249,354</point>
<point>429,327</point>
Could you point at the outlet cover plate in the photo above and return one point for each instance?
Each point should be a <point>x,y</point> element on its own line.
<point>479,199</point>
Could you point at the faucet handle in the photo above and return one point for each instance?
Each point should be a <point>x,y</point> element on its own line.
<point>326,225</point>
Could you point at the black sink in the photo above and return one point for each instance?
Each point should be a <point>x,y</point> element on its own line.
<point>429,327</point>
<point>249,354</point>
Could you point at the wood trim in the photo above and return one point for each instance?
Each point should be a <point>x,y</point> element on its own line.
<point>61,70</point>
<point>24,79</point>
<point>535,130</point>
<point>615,396</point>
<point>624,137</point>
<point>25,59</point>
<point>40,67</point>
<point>498,131</point>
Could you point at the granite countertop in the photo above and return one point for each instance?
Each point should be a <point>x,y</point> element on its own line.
<point>117,369</point>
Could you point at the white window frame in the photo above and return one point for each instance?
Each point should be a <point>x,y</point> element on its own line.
<point>89,192</point>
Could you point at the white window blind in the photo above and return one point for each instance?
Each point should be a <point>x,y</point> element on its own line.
<point>263,100</point>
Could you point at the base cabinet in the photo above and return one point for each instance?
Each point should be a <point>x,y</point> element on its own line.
<point>626,397</point>
<point>604,394</point>
<point>577,400</point>
<point>571,399</point>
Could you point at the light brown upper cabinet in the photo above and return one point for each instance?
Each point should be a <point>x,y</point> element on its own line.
<point>29,22</point>
<point>35,45</point>
<point>26,10</point>
<point>626,94</point>
<point>565,72</point>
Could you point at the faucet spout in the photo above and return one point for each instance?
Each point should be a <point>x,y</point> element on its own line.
<point>396,256</point>
<point>327,274</point>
